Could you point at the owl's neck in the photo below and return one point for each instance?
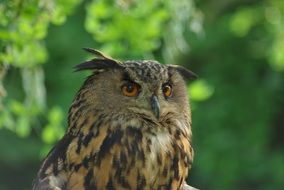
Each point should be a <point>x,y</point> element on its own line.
<point>80,114</point>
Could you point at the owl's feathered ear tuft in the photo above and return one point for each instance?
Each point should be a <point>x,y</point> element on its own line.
<point>102,62</point>
<point>97,53</point>
<point>185,73</point>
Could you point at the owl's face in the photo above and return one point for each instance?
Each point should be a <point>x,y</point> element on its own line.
<point>142,88</point>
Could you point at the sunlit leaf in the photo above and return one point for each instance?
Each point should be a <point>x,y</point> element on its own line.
<point>243,20</point>
<point>277,55</point>
<point>53,130</point>
<point>23,126</point>
<point>200,90</point>
<point>17,108</point>
<point>58,16</point>
<point>6,120</point>
<point>49,135</point>
<point>55,115</point>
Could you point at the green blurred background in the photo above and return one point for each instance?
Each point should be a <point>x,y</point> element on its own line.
<point>235,46</point>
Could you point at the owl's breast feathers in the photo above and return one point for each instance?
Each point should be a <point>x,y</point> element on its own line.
<point>111,155</point>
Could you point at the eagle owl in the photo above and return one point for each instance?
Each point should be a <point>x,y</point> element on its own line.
<point>129,127</point>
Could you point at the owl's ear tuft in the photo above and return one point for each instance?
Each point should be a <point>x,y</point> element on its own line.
<point>185,73</point>
<point>97,53</point>
<point>103,62</point>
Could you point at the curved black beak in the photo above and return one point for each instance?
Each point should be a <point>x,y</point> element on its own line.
<point>155,106</point>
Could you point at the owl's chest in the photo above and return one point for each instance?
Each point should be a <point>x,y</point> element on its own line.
<point>131,159</point>
<point>167,160</point>
<point>150,161</point>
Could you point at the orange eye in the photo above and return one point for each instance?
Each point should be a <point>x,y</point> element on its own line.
<point>167,90</point>
<point>130,89</point>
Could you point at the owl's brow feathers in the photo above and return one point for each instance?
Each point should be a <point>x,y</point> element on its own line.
<point>103,62</point>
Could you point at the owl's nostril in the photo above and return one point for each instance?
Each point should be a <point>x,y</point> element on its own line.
<point>155,106</point>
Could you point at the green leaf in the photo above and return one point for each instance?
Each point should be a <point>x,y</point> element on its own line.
<point>55,115</point>
<point>58,16</point>
<point>17,108</point>
<point>53,130</point>
<point>242,22</point>
<point>200,90</point>
<point>276,58</point>
<point>6,120</point>
<point>23,126</point>
<point>49,135</point>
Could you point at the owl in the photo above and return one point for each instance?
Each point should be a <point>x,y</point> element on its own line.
<point>129,128</point>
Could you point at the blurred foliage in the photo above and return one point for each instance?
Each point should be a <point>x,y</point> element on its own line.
<point>238,131</point>
<point>118,28</point>
<point>236,47</point>
<point>24,25</point>
<point>135,29</point>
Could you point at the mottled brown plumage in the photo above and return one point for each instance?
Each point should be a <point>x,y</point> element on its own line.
<point>129,128</point>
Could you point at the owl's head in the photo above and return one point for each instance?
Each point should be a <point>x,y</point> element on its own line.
<point>145,88</point>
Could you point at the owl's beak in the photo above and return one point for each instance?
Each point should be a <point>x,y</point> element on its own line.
<point>155,106</point>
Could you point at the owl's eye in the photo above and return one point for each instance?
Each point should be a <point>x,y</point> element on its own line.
<point>130,89</point>
<point>167,90</point>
